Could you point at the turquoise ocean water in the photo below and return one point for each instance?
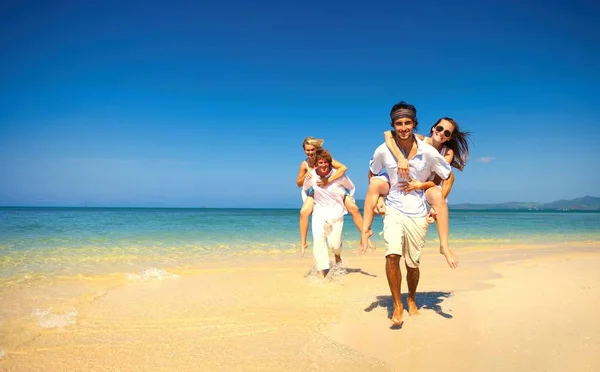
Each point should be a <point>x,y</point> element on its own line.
<point>88,241</point>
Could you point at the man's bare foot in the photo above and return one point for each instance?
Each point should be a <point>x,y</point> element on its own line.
<point>338,258</point>
<point>450,257</point>
<point>365,240</point>
<point>397,316</point>
<point>303,246</point>
<point>321,274</point>
<point>412,306</point>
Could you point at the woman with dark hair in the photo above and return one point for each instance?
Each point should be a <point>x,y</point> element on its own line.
<point>453,145</point>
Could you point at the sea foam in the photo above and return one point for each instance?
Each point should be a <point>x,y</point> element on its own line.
<point>151,274</point>
<point>47,319</point>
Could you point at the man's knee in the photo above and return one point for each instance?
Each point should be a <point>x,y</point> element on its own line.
<point>410,267</point>
<point>393,258</point>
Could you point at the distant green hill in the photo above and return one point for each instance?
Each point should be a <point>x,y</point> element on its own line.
<point>586,203</point>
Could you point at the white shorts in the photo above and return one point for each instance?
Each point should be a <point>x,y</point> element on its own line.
<point>404,236</point>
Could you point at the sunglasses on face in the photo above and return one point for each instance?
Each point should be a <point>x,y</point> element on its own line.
<point>446,132</point>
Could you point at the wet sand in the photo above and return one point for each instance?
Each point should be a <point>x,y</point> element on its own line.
<point>515,309</point>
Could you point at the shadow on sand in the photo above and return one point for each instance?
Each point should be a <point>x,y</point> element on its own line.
<point>338,271</point>
<point>352,271</point>
<point>425,300</point>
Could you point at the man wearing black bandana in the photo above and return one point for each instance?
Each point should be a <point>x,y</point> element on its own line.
<point>404,224</point>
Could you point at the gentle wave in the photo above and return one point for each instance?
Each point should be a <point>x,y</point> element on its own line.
<point>151,274</point>
<point>47,319</point>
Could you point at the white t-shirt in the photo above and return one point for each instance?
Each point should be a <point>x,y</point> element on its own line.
<point>329,200</point>
<point>427,160</point>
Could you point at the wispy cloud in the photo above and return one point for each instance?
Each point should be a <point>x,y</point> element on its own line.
<point>485,159</point>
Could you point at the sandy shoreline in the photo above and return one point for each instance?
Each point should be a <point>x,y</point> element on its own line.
<point>529,309</point>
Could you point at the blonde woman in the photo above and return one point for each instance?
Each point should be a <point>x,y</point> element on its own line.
<point>310,145</point>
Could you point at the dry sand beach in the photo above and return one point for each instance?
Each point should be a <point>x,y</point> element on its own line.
<point>530,308</point>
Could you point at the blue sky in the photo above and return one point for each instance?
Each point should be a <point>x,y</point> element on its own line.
<point>190,104</point>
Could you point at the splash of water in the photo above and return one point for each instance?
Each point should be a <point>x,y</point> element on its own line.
<point>151,273</point>
<point>47,319</point>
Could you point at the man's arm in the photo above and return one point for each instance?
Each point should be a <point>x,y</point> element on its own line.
<point>347,183</point>
<point>439,165</point>
<point>437,179</point>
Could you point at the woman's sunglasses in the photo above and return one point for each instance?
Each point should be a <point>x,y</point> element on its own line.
<point>446,132</point>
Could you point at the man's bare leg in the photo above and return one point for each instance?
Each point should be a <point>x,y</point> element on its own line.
<point>376,188</point>
<point>412,279</point>
<point>394,277</point>
<point>436,200</point>
<point>305,212</point>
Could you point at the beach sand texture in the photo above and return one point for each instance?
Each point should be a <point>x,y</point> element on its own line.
<point>522,309</point>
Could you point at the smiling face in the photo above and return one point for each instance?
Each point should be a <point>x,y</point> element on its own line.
<point>323,167</point>
<point>404,128</point>
<point>442,131</point>
<point>310,151</point>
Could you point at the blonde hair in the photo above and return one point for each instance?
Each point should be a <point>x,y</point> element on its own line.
<point>316,142</point>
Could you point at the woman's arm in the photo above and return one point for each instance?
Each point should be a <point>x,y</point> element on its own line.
<point>301,174</point>
<point>449,156</point>
<point>447,185</point>
<point>403,170</point>
<point>340,170</point>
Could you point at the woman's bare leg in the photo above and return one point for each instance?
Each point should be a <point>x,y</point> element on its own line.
<point>436,200</point>
<point>356,217</point>
<point>305,212</point>
<point>377,187</point>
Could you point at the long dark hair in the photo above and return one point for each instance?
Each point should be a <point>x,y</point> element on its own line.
<point>459,143</point>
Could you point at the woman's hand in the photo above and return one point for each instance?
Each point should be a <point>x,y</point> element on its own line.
<point>403,171</point>
<point>412,185</point>
<point>323,181</point>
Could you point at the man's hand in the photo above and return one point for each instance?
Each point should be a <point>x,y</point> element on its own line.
<point>412,185</point>
<point>380,206</point>
<point>323,181</point>
<point>403,171</point>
